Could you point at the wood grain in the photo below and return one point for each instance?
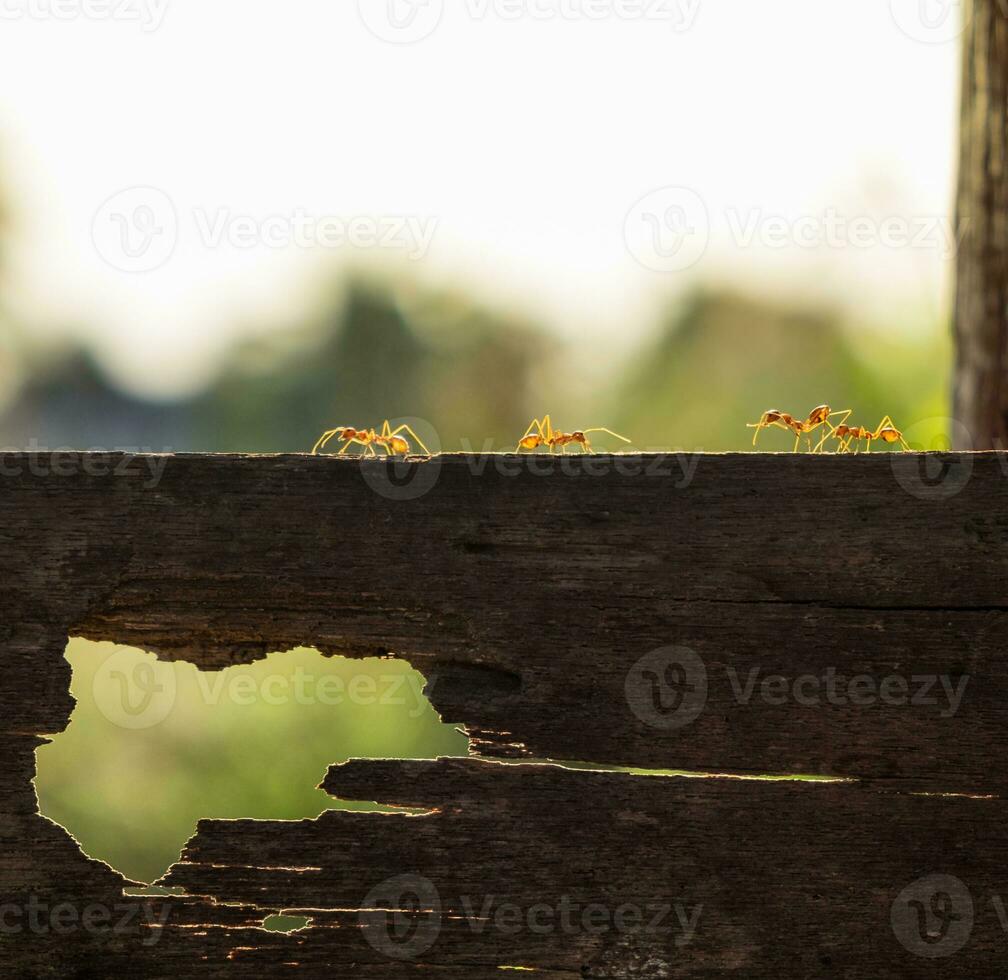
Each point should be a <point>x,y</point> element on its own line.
<point>530,591</point>
<point>559,608</point>
<point>981,305</point>
<point>714,877</point>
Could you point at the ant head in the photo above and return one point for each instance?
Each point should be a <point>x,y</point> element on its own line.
<point>347,432</point>
<point>889,434</point>
<point>578,436</point>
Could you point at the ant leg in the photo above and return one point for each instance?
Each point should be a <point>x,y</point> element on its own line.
<point>536,426</point>
<point>323,440</point>
<point>405,428</point>
<point>528,431</point>
<point>610,432</point>
<point>345,448</point>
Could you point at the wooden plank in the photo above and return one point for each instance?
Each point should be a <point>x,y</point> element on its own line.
<point>535,593</point>
<point>608,875</point>
<point>536,589</point>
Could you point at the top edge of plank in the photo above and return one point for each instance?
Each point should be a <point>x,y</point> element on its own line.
<point>464,456</point>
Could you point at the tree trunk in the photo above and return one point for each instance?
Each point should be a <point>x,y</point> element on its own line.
<point>981,307</point>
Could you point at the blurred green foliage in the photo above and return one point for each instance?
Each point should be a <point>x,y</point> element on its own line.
<point>721,359</point>
<point>251,741</point>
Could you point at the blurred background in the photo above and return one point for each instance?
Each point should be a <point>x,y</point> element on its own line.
<point>228,227</point>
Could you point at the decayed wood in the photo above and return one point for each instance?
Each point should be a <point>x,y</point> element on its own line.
<point>726,877</point>
<point>981,309</point>
<point>532,600</point>
<point>540,598</point>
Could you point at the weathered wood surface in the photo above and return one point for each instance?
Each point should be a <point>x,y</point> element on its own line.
<point>531,598</point>
<point>713,876</point>
<point>560,609</point>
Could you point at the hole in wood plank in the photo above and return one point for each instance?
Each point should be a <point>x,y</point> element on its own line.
<point>154,746</point>
<point>286,923</point>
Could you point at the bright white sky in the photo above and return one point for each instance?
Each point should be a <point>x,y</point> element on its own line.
<point>528,140</point>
